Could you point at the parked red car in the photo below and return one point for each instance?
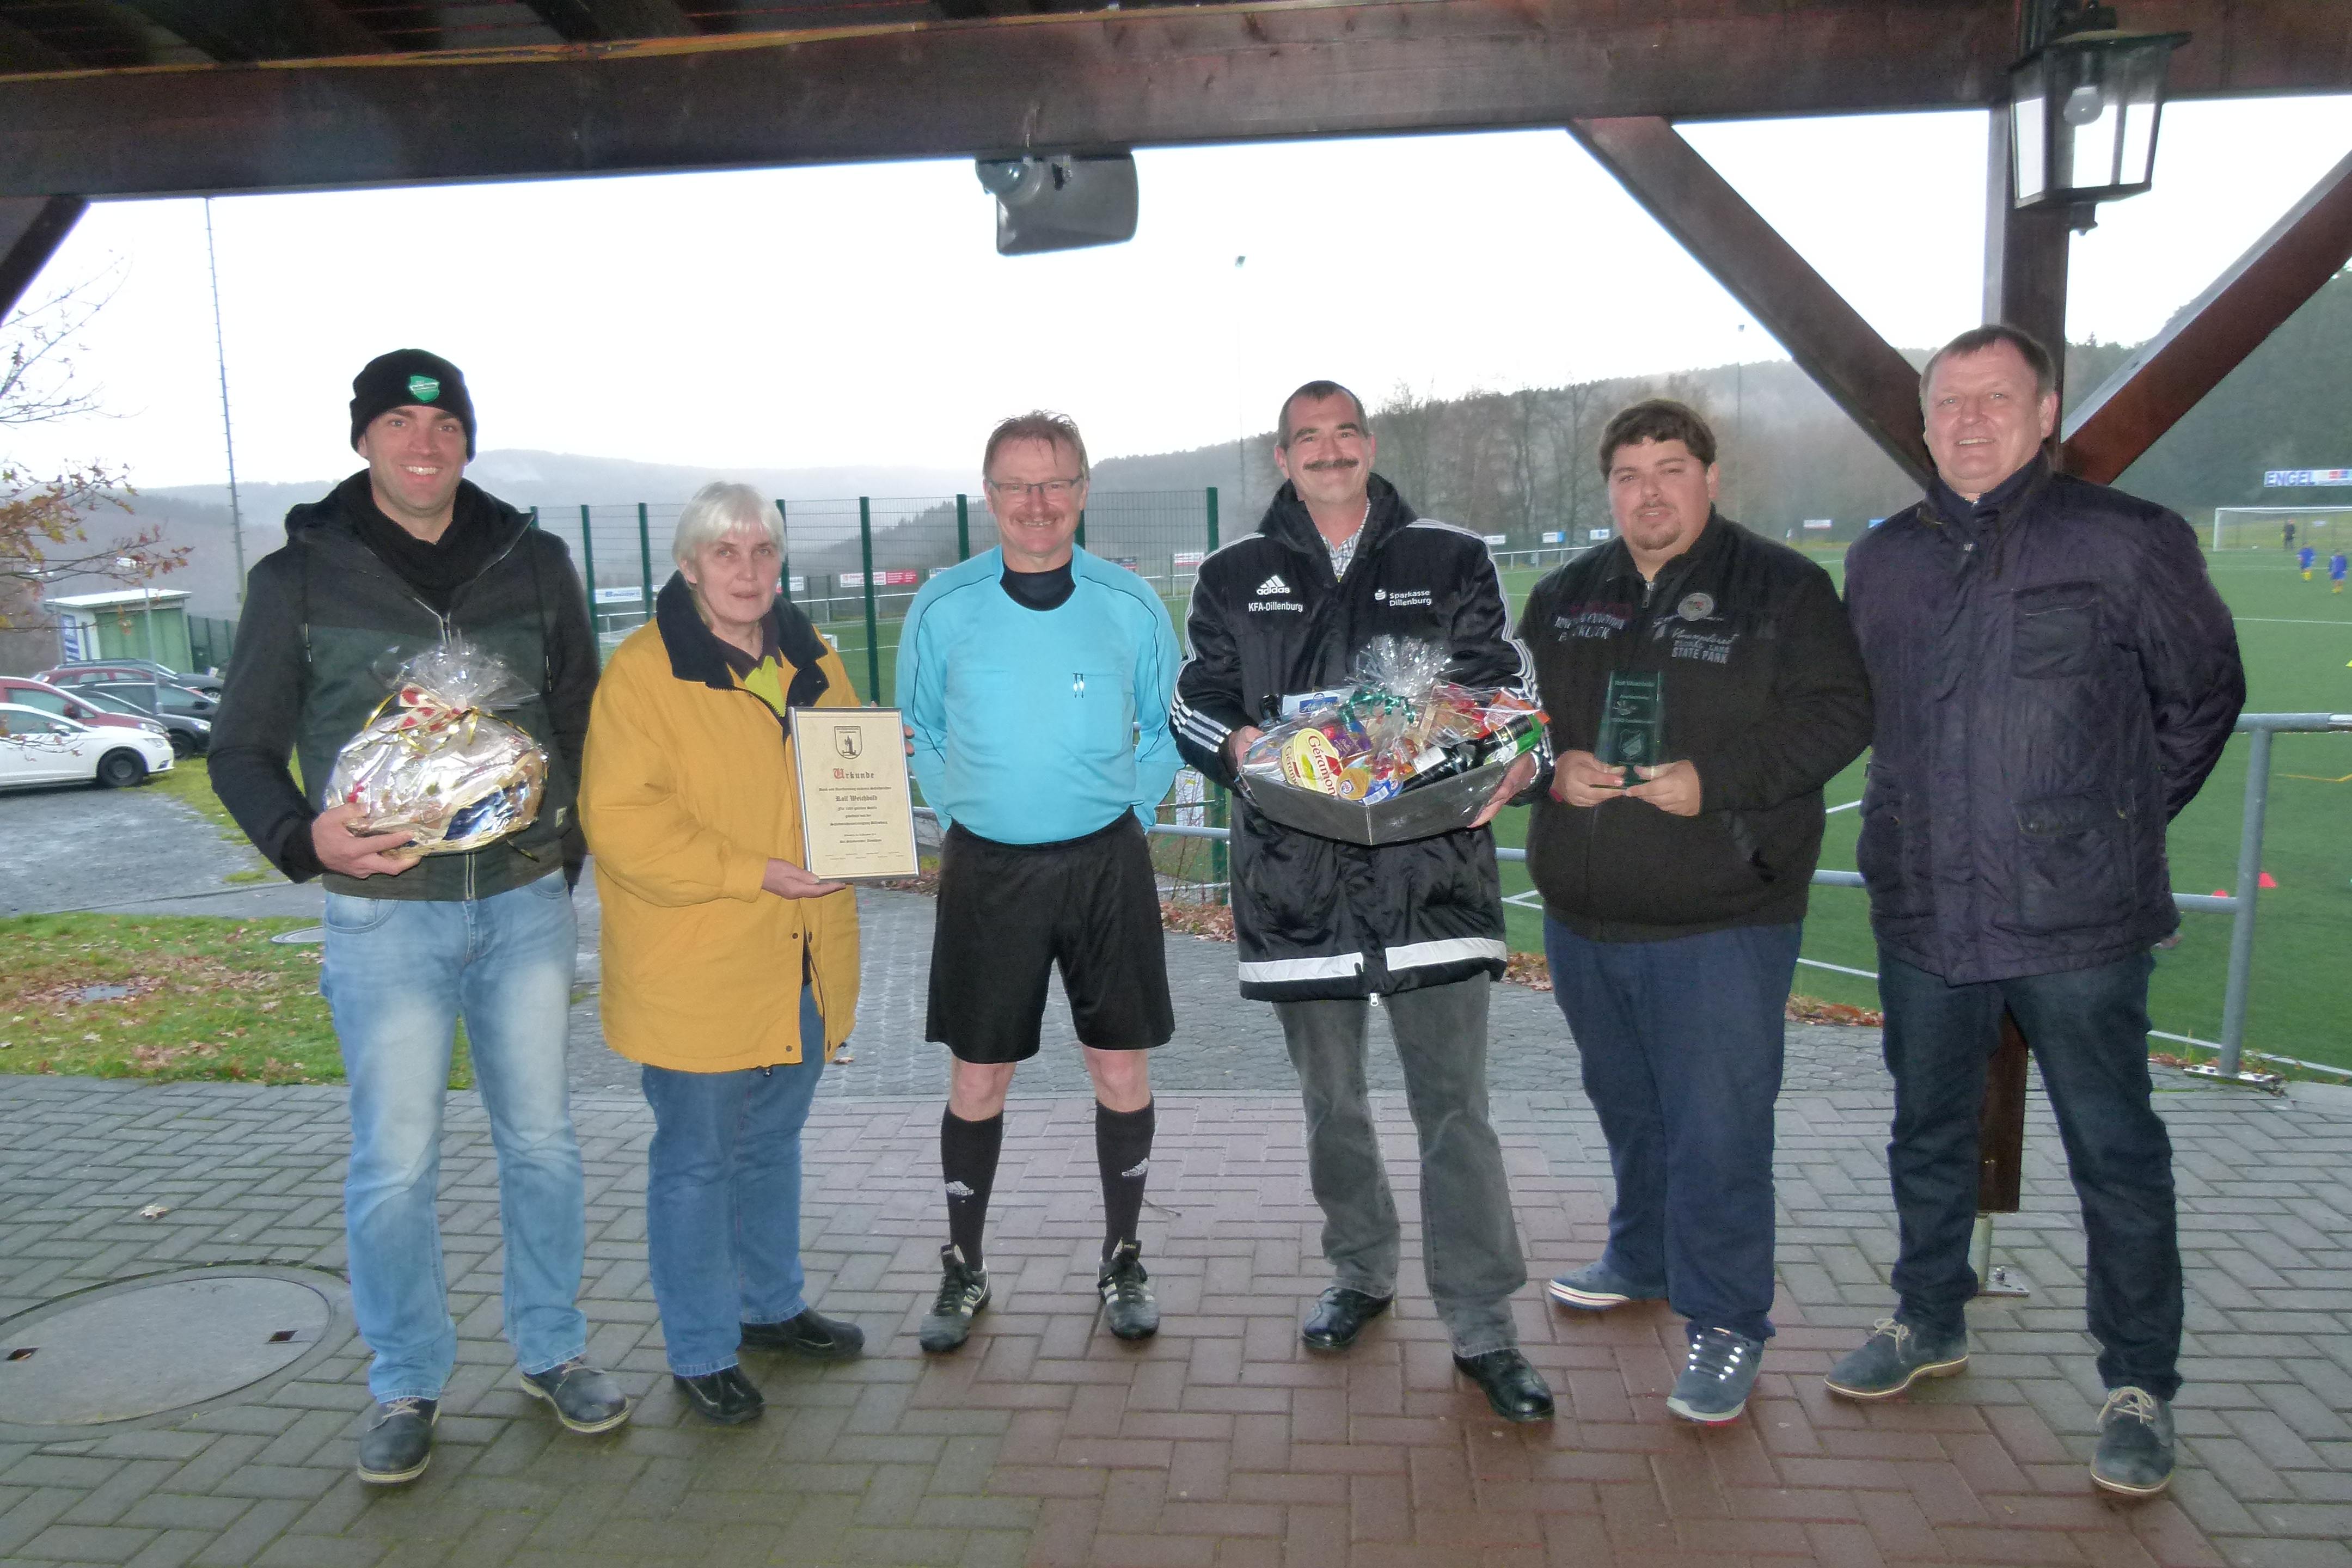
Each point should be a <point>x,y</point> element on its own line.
<point>29,693</point>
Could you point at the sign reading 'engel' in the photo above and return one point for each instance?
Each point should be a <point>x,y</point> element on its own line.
<point>2298,478</point>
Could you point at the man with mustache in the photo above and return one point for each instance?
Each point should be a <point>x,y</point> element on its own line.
<point>2054,676</point>
<point>1325,927</point>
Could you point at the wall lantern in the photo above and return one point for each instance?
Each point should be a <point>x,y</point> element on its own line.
<point>2084,105</point>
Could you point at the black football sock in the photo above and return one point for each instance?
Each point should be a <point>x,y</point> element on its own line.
<point>968,1152</point>
<point>1123,1150</point>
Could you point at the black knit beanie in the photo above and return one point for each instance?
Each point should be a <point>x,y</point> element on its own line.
<point>406,377</point>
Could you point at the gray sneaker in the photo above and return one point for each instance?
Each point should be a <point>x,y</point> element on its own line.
<point>1596,1288</point>
<point>1895,1357</point>
<point>398,1442</point>
<point>2135,1452</point>
<point>963,1291</point>
<point>586,1399</point>
<point>1713,1384</point>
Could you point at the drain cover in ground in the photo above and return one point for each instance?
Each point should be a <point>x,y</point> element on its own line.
<point>146,1348</point>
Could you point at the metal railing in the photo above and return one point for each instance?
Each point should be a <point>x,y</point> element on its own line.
<point>2240,905</point>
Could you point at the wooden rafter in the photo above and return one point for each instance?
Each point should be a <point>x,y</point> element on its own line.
<point>2109,431</point>
<point>31,229</point>
<point>1876,387</point>
<point>590,21</point>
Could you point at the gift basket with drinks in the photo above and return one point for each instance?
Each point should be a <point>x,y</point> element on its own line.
<point>1400,754</point>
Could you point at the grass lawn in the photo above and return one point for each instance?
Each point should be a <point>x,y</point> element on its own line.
<point>198,998</point>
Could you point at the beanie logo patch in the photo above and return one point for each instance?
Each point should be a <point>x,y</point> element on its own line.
<point>423,388</point>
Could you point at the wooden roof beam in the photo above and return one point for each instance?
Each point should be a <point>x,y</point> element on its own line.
<point>31,229</point>
<point>23,51</point>
<point>608,21</point>
<point>1876,387</point>
<point>237,31</point>
<point>2109,430</point>
<point>1148,76</point>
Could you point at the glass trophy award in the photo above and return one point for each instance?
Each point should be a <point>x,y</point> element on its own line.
<point>1632,720</point>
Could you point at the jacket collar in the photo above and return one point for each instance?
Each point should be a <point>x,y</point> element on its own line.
<point>693,647</point>
<point>1711,540</point>
<point>1287,523</point>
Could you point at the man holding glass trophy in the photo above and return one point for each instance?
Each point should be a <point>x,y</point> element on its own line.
<point>1702,684</point>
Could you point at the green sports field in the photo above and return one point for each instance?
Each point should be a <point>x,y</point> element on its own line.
<point>2297,639</point>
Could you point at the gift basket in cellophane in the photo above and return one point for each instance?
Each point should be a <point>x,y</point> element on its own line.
<point>1402,753</point>
<point>434,763</point>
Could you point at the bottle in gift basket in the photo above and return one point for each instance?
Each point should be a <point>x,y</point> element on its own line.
<point>1513,734</point>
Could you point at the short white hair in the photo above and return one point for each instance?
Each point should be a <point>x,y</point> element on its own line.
<point>718,510</point>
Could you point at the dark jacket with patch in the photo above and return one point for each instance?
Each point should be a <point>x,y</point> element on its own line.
<point>1317,918</point>
<point>2054,682</point>
<point>325,622</point>
<point>1763,694</point>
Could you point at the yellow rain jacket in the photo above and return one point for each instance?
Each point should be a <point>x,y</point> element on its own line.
<point>687,793</point>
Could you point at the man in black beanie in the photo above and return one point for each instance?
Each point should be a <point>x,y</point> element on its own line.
<point>404,555</point>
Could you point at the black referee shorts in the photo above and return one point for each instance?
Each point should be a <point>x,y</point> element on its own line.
<point>1010,912</point>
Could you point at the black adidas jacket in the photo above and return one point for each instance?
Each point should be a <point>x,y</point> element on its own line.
<point>1315,918</point>
<point>1764,694</point>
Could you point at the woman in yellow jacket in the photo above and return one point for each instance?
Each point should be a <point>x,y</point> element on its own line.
<point>728,972</point>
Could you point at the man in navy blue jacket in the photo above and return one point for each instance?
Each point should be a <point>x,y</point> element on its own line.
<point>2054,677</point>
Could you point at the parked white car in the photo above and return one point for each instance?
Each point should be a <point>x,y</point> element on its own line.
<point>37,748</point>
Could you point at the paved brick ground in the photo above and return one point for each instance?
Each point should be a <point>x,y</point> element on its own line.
<point>1221,1442</point>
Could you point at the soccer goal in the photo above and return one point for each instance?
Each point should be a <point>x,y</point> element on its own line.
<point>2326,528</point>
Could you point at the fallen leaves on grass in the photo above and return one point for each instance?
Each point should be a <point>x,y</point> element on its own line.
<point>1185,918</point>
<point>1813,1010</point>
<point>1528,969</point>
<point>166,997</point>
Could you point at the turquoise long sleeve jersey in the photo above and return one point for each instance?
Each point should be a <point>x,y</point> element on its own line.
<point>1035,726</point>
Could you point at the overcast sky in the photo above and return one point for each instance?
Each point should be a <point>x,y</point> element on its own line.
<point>818,317</point>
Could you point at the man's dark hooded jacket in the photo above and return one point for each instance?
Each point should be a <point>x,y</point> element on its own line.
<point>2054,676</point>
<point>1315,918</point>
<point>326,621</point>
<point>1764,694</point>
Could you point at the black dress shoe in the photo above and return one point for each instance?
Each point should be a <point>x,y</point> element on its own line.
<point>810,1334</point>
<point>725,1397</point>
<point>1338,1316</point>
<point>1516,1390</point>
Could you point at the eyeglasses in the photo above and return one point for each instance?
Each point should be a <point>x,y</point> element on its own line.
<point>1052,490</point>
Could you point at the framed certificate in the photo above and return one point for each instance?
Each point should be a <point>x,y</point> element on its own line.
<point>858,809</point>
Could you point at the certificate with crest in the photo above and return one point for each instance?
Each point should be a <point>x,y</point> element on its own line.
<point>858,809</point>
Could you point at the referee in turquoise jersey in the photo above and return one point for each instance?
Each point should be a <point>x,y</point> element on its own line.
<point>1036,679</point>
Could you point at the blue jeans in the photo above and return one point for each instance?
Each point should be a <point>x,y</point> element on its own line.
<point>2088,1031</point>
<point>397,974</point>
<point>1681,1043</point>
<point>723,1200</point>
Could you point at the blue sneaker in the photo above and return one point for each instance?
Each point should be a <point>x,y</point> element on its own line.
<point>1596,1288</point>
<point>1715,1382</point>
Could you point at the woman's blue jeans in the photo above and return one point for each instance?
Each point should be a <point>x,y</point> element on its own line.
<point>397,972</point>
<point>723,1200</point>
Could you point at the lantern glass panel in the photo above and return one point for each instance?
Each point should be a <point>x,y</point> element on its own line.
<point>2028,142</point>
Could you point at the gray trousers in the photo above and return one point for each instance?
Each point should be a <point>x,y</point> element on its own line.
<point>1470,1243</point>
